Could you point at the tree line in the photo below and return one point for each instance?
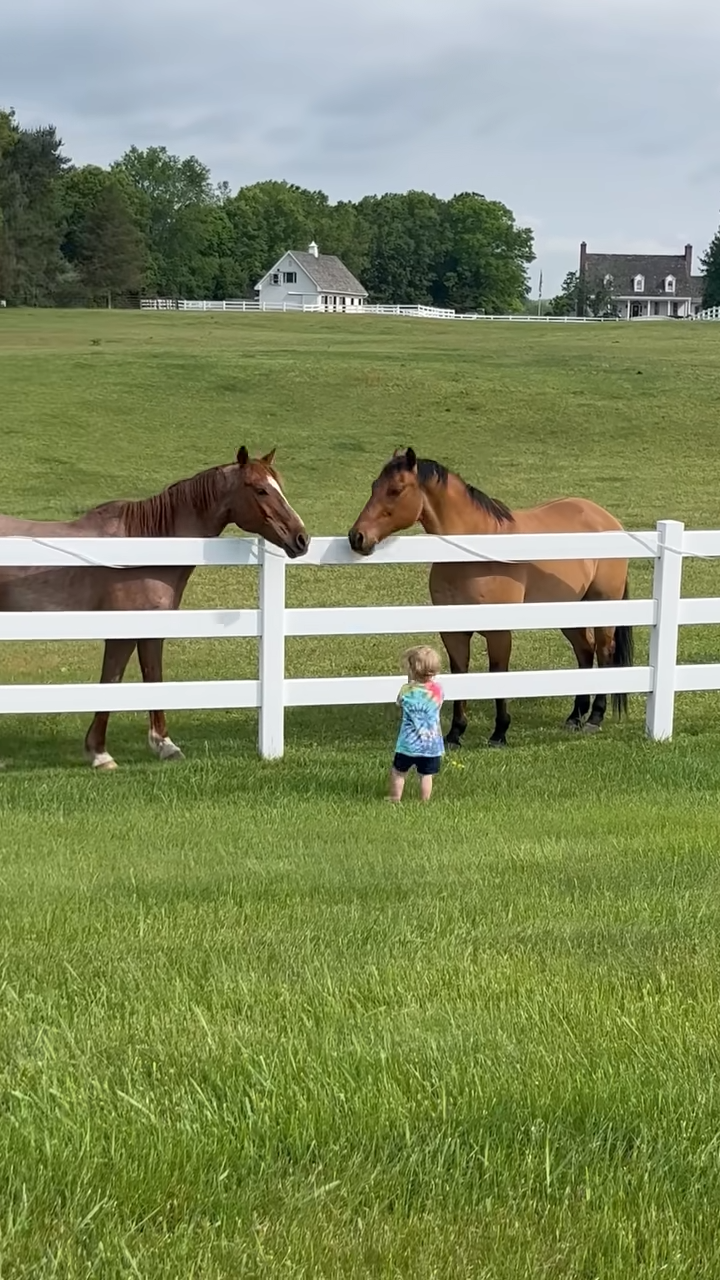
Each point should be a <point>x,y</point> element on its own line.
<point>155,223</point>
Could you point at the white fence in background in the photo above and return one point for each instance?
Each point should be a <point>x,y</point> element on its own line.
<point>272,622</point>
<point>710,313</point>
<point>229,304</point>
<point>371,309</point>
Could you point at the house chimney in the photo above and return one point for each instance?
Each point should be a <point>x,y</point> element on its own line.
<point>688,259</point>
<point>583,256</point>
<point>313,249</point>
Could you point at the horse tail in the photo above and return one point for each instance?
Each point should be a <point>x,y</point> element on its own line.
<point>623,656</point>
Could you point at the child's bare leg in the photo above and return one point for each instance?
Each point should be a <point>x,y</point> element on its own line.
<point>426,786</point>
<point>397,783</point>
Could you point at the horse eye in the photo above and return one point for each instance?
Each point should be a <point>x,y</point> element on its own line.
<point>262,493</point>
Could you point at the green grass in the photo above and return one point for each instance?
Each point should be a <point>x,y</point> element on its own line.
<point>253,1022</point>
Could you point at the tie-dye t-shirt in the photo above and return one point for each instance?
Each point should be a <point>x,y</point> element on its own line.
<point>420,733</point>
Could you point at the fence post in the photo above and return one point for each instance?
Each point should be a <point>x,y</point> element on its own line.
<point>667,582</point>
<point>271,720</point>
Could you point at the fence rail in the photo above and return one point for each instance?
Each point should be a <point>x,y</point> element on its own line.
<point>272,622</point>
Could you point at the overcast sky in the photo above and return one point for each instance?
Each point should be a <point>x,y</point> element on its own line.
<point>591,119</point>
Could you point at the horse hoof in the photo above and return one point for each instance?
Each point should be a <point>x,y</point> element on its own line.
<point>497,743</point>
<point>164,748</point>
<point>573,726</point>
<point>453,744</point>
<point>589,727</point>
<point>103,763</point>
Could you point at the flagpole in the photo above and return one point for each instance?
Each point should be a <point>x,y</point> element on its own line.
<point>540,294</point>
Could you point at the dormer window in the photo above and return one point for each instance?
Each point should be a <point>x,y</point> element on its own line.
<point>669,284</point>
<point>639,284</point>
<point>607,281</point>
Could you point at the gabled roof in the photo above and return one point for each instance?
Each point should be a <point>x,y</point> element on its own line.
<point>327,272</point>
<point>655,268</point>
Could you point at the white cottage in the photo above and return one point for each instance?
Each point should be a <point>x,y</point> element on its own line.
<point>312,278</point>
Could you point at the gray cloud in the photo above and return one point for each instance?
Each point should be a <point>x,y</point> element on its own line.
<point>599,119</point>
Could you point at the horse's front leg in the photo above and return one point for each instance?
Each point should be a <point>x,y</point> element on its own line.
<point>150,654</point>
<point>457,646</point>
<point>115,659</point>
<point>499,648</point>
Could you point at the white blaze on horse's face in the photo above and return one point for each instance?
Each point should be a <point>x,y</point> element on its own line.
<point>274,485</point>
<point>283,526</point>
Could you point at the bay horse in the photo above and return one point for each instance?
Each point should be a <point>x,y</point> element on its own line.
<point>412,490</point>
<point>247,493</point>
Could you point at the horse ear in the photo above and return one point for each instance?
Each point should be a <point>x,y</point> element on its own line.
<point>269,458</point>
<point>243,456</point>
<point>398,453</point>
<point>411,459</point>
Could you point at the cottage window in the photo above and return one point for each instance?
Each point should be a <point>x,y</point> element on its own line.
<point>639,284</point>
<point>669,284</point>
<point>275,277</point>
<point>289,277</point>
<point>607,281</point>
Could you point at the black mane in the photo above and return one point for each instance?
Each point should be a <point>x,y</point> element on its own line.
<point>429,470</point>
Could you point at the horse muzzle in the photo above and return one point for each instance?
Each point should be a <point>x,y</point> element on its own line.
<point>297,546</point>
<point>360,543</point>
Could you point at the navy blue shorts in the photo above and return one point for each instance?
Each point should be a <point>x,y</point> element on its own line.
<point>425,765</point>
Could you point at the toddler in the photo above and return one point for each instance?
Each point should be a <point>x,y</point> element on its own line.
<point>420,741</point>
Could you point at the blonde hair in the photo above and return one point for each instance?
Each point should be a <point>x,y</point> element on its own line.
<point>422,663</point>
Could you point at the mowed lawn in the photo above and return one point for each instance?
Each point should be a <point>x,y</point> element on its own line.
<point>254,1022</point>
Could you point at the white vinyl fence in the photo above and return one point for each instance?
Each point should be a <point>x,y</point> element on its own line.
<point>229,304</point>
<point>272,622</point>
<point>416,311</point>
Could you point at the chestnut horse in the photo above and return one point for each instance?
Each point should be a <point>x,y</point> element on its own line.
<point>246,493</point>
<point>411,489</point>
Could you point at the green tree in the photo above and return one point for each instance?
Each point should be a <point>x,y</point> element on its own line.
<point>566,301</point>
<point>598,299</point>
<point>82,188</point>
<point>710,263</point>
<point>8,138</point>
<point>487,257</point>
<point>111,251</point>
<point>581,296</point>
<point>31,171</point>
<point>404,236</point>
<point>170,198</point>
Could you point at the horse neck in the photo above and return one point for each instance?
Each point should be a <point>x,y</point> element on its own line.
<point>193,508</point>
<point>450,509</point>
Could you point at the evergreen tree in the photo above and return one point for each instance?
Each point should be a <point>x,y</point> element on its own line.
<point>565,303</point>
<point>31,169</point>
<point>111,253</point>
<point>710,263</point>
<point>579,296</point>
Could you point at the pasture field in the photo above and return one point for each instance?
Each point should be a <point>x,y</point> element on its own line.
<point>256,1023</point>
